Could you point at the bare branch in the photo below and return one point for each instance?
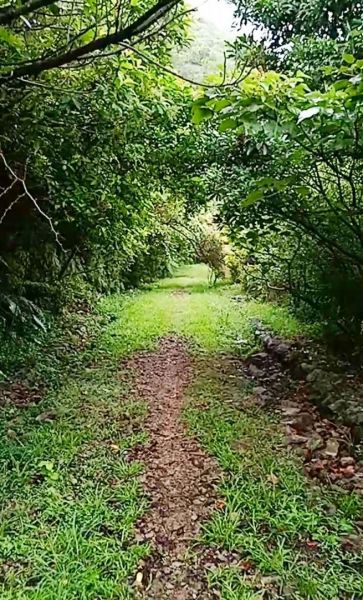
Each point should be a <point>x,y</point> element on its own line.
<point>187,79</point>
<point>11,205</point>
<point>26,192</point>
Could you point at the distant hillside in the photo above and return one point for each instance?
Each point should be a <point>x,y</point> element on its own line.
<point>204,55</point>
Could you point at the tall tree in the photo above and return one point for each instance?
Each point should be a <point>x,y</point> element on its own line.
<point>283,19</point>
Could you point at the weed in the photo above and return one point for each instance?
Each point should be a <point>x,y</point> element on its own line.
<point>70,499</point>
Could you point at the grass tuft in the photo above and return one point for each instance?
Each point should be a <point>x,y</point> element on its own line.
<point>70,499</point>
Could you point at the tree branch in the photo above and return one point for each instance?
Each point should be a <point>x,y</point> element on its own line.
<point>141,24</point>
<point>10,13</point>
<point>26,193</point>
<point>166,69</point>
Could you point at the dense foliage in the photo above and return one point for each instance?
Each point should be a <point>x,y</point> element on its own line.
<point>291,191</point>
<point>102,170</point>
<point>96,159</point>
<point>281,20</point>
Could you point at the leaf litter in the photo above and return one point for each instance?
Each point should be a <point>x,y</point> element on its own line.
<point>180,478</point>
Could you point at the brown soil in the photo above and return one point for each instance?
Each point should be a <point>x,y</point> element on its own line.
<point>180,478</point>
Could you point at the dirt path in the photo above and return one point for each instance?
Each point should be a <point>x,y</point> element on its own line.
<point>180,478</point>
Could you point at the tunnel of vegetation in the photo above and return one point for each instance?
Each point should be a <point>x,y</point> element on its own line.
<point>107,157</point>
<point>126,151</point>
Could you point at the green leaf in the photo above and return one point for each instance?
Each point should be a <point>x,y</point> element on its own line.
<point>54,9</point>
<point>9,38</point>
<point>229,123</point>
<point>308,113</point>
<point>341,84</point>
<point>87,37</point>
<point>201,101</point>
<point>252,197</point>
<point>302,190</point>
<point>348,58</point>
<point>48,465</point>
<point>221,103</point>
<point>200,113</point>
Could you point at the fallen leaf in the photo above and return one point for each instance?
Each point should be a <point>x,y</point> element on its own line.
<point>46,417</point>
<point>346,461</point>
<point>273,479</point>
<point>348,471</point>
<point>311,544</point>
<point>115,447</point>
<point>246,565</point>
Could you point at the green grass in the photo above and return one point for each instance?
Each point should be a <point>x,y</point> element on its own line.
<point>70,498</point>
<point>187,306</point>
<point>272,513</point>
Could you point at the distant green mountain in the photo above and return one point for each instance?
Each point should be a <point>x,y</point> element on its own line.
<point>205,53</point>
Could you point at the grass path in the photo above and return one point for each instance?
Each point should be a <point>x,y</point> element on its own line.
<point>71,497</point>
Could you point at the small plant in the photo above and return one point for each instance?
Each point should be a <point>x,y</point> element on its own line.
<point>47,469</point>
<point>211,251</point>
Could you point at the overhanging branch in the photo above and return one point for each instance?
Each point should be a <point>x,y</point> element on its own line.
<point>11,12</point>
<point>139,26</point>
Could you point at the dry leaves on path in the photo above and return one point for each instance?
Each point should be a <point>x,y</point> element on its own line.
<point>180,478</point>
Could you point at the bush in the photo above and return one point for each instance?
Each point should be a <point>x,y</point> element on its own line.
<point>212,252</point>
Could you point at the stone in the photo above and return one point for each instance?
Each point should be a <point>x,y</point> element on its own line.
<point>255,371</point>
<point>332,448</point>
<point>291,411</point>
<point>346,461</point>
<point>300,451</point>
<point>306,367</point>
<point>315,443</point>
<point>260,391</point>
<point>282,350</point>
<point>294,438</point>
<point>304,420</point>
<point>259,358</point>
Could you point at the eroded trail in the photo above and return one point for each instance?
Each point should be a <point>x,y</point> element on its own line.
<point>180,478</point>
